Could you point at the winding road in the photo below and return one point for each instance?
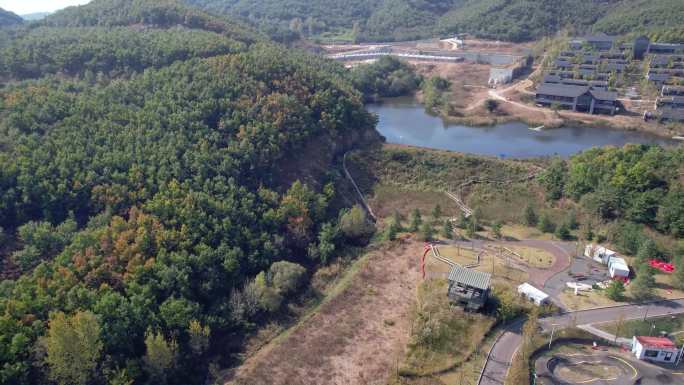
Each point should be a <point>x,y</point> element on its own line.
<point>504,349</point>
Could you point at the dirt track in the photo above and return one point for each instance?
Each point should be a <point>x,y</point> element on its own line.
<point>356,338</point>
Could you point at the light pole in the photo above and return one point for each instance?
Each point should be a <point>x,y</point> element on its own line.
<point>646,314</point>
<point>553,329</point>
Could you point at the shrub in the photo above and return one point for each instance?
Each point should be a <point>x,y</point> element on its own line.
<point>530,217</point>
<point>545,224</point>
<point>615,290</point>
<point>354,224</point>
<point>286,277</point>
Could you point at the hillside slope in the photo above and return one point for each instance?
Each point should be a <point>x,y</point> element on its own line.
<point>8,18</point>
<point>167,182</point>
<point>510,20</point>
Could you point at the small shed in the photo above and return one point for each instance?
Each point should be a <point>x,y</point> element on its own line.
<point>468,287</point>
<point>599,253</point>
<point>658,349</point>
<point>533,294</point>
<point>617,267</point>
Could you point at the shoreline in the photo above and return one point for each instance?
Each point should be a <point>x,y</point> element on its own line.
<point>485,119</point>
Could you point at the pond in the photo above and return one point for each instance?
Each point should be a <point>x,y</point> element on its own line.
<point>404,121</point>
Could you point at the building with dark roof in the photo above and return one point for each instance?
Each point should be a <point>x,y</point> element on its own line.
<point>580,98</point>
<point>670,114</point>
<point>469,288</point>
<point>666,48</point>
<point>670,102</point>
<point>599,42</point>
<point>672,91</point>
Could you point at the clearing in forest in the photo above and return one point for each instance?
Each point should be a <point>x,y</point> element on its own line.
<point>355,338</point>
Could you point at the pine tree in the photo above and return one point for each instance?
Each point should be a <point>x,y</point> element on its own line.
<point>416,221</point>
<point>615,290</point>
<point>496,229</point>
<point>436,212</point>
<point>647,251</point>
<point>530,216</point>
<point>397,220</point>
<point>642,287</point>
<point>426,231</point>
<point>447,229</point>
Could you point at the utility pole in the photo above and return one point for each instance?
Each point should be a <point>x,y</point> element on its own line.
<point>646,314</point>
<point>553,329</point>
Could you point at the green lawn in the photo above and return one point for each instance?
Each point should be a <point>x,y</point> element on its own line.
<point>673,325</point>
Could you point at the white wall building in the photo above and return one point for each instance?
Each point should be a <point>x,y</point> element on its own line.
<point>658,349</point>
<point>533,294</point>
<point>617,267</point>
<point>598,253</point>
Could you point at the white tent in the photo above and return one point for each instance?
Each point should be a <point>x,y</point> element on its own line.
<point>598,253</point>
<point>617,267</point>
<point>534,294</point>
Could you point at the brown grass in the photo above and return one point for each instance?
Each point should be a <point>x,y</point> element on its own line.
<point>355,337</point>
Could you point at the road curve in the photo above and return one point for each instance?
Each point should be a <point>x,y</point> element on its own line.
<point>502,353</point>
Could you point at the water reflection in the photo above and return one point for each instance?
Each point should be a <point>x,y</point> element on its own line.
<point>404,121</point>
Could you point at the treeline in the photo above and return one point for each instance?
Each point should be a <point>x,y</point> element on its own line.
<point>152,13</point>
<point>633,186</point>
<point>112,51</point>
<point>387,20</point>
<point>386,77</point>
<point>142,210</point>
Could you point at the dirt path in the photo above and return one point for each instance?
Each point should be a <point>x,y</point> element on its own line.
<point>356,338</point>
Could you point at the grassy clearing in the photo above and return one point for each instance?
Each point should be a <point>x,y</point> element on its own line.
<point>672,325</point>
<point>442,336</point>
<point>533,256</point>
<point>586,299</point>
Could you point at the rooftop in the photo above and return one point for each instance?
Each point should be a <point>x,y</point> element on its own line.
<point>565,90</point>
<point>470,277</point>
<point>655,342</point>
<point>604,95</point>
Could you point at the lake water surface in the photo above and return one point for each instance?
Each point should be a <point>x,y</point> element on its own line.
<point>404,121</point>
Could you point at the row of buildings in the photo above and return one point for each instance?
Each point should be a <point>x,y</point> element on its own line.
<point>583,76</point>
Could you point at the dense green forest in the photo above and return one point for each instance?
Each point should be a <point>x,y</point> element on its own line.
<point>139,13</point>
<point>634,187</point>
<point>167,181</point>
<point>8,18</point>
<point>112,51</point>
<point>518,20</point>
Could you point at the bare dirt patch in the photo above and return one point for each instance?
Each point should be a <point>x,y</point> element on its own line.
<point>355,338</point>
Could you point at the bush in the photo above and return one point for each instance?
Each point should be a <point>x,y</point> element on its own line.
<point>545,224</point>
<point>491,105</point>
<point>286,277</point>
<point>615,290</point>
<point>563,232</point>
<point>354,224</point>
<point>426,231</point>
<point>530,217</point>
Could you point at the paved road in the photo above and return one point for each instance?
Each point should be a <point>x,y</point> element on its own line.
<point>504,349</point>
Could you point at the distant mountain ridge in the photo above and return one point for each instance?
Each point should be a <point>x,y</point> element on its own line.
<point>509,20</point>
<point>35,16</point>
<point>8,18</point>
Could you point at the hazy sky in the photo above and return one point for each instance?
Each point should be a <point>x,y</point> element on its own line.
<point>21,7</point>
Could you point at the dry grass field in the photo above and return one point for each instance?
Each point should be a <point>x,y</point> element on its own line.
<point>357,337</point>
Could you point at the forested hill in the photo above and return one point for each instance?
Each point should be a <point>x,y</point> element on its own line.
<point>117,38</point>
<point>512,20</point>
<point>167,183</point>
<point>149,13</point>
<point>8,18</point>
